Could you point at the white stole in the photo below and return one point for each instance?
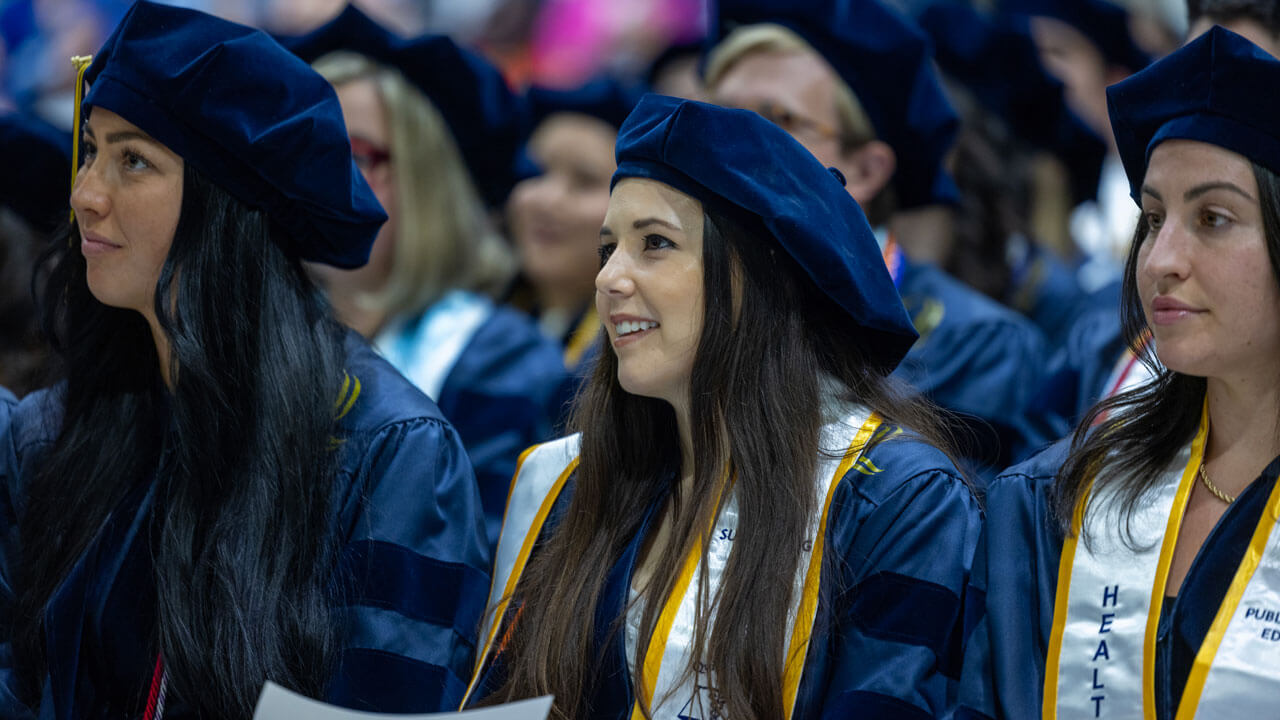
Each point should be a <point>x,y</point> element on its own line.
<point>427,350</point>
<point>670,691</point>
<point>1101,659</point>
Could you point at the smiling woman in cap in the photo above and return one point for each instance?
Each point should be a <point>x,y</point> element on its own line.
<point>1131,572</point>
<point>227,487</point>
<point>751,521</point>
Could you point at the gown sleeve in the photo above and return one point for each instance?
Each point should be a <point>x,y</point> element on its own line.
<point>415,562</point>
<point>903,538</point>
<point>501,396</point>
<point>1011,595</point>
<point>10,705</point>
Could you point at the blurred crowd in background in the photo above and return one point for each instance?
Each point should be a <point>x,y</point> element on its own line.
<point>1042,225</point>
<point>554,42</point>
<point>551,42</point>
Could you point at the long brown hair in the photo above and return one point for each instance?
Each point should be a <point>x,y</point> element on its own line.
<point>756,410</point>
<point>1145,428</point>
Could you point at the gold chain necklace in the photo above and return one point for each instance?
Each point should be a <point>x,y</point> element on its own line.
<point>1204,478</point>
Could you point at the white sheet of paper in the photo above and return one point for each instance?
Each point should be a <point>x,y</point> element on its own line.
<point>277,703</point>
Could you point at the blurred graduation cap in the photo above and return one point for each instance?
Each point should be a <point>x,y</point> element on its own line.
<point>886,60</point>
<point>603,97</point>
<point>1209,90</point>
<point>1103,23</point>
<point>676,52</point>
<point>36,187</point>
<point>255,119</point>
<point>998,62</point>
<point>736,158</point>
<point>489,122</point>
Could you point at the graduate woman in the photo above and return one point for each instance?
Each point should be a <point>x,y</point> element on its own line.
<point>227,487</point>
<point>750,523</point>
<point>1133,574</point>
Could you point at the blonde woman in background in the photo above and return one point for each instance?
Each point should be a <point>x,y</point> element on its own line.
<point>555,215</point>
<point>426,298</point>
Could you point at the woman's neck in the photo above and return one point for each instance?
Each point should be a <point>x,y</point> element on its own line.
<point>357,315</point>
<point>1244,416</point>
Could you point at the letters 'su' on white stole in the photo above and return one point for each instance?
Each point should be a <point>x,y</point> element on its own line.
<point>1101,659</point>
<point>668,688</point>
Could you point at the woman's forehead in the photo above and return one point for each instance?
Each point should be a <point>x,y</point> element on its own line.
<point>635,197</point>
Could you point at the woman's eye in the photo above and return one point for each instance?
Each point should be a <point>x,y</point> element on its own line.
<point>1154,220</point>
<point>657,242</point>
<point>605,252</point>
<point>1211,219</point>
<point>586,182</point>
<point>90,150</point>
<point>134,161</point>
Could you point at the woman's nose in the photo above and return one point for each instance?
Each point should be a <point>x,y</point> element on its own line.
<point>89,196</point>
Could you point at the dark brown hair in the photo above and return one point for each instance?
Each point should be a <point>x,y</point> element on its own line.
<point>756,410</point>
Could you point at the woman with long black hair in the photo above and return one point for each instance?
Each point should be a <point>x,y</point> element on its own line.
<point>751,521</point>
<point>227,487</point>
<point>1131,572</point>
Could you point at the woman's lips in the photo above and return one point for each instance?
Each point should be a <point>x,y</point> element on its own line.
<point>1167,310</point>
<point>91,244</point>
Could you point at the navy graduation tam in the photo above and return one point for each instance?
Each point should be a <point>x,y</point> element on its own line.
<point>256,120</point>
<point>1104,23</point>
<point>887,63</point>
<point>1212,90</point>
<point>603,97</point>
<point>736,158</point>
<point>488,121</point>
<point>37,184</point>
<point>696,48</point>
<point>998,62</point>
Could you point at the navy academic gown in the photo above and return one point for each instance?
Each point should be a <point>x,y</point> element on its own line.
<point>900,535</point>
<point>1044,289</point>
<point>1015,578</point>
<point>505,392</point>
<point>413,555</point>
<point>1083,363</point>
<point>977,358</point>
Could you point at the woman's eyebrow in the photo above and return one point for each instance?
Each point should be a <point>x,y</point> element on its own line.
<point>645,222</point>
<point>1199,190</point>
<point>123,135</point>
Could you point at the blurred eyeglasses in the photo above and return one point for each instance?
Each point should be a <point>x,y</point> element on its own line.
<point>795,123</point>
<point>369,156</point>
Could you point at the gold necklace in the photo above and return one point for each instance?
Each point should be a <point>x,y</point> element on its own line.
<point>1204,478</point>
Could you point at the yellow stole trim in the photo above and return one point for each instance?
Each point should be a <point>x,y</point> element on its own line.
<point>654,654</point>
<point>1213,639</point>
<point>803,629</point>
<point>807,612</point>
<point>526,548</point>
<point>1049,707</point>
<point>583,335</point>
<point>801,632</point>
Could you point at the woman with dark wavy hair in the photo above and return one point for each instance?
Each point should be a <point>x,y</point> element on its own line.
<point>751,521</point>
<point>1131,572</point>
<point>226,487</point>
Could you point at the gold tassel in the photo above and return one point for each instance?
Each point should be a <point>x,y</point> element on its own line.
<point>81,63</point>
